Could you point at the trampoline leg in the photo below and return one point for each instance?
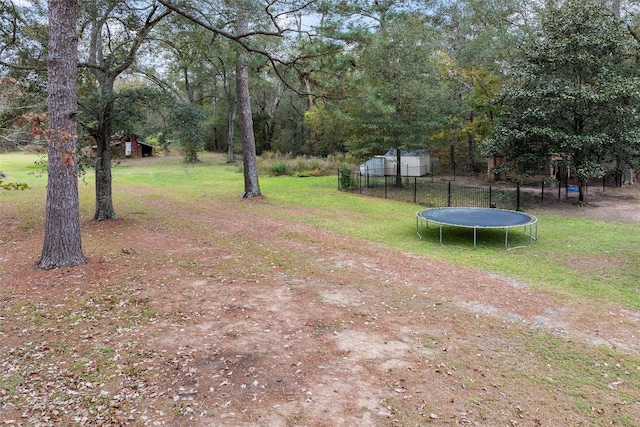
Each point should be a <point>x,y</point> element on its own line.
<point>506,238</point>
<point>475,232</point>
<point>531,233</point>
<point>440,234</point>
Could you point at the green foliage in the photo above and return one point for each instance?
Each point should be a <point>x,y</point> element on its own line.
<point>347,178</point>
<point>138,107</point>
<point>574,95</point>
<point>185,123</point>
<point>159,139</point>
<point>13,185</point>
<point>85,163</point>
<point>325,128</point>
<point>473,113</point>
<point>278,169</point>
<point>401,99</point>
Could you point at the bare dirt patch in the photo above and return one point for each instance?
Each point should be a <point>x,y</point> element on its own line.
<point>186,316</point>
<point>610,204</point>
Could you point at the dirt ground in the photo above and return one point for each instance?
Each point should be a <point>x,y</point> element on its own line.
<point>612,204</point>
<point>224,315</point>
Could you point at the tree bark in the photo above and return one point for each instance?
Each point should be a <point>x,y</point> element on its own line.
<point>104,200</point>
<point>231,119</point>
<point>398,168</point>
<point>245,120</point>
<point>231,123</point>
<point>581,192</point>
<point>62,245</point>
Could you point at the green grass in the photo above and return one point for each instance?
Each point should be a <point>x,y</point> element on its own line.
<point>573,256</point>
<point>576,257</point>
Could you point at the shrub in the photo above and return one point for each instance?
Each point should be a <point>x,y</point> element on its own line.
<point>285,164</point>
<point>278,168</point>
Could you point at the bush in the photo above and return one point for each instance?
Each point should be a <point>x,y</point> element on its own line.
<point>278,169</point>
<point>347,179</point>
<point>283,164</point>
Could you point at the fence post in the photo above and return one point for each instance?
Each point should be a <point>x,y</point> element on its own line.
<point>415,189</point>
<point>518,196</point>
<point>449,195</point>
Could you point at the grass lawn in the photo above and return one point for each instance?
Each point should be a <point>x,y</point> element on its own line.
<point>574,256</point>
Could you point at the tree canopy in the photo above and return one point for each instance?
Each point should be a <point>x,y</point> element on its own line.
<point>574,97</point>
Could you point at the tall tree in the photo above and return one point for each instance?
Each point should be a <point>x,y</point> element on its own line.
<point>116,31</point>
<point>400,102</point>
<point>474,38</point>
<point>247,23</point>
<point>245,119</point>
<point>575,95</point>
<point>628,13</point>
<point>62,242</point>
<point>197,67</point>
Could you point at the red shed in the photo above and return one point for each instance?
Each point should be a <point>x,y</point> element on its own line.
<point>132,147</point>
<point>128,147</point>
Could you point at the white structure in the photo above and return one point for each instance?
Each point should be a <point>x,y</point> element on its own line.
<point>412,163</point>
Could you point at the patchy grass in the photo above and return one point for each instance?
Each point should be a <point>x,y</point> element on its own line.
<point>306,305</point>
<point>579,257</point>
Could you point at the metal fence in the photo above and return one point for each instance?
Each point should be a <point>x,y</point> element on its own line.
<point>431,191</point>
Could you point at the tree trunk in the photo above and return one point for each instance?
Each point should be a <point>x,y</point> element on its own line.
<point>398,168</point>
<point>470,147</point>
<point>62,245</point>
<point>581,192</point>
<point>271,119</point>
<point>104,201</point>
<point>106,68</point>
<point>231,123</point>
<point>245,121</point>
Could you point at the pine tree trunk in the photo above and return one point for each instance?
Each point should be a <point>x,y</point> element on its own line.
<point>62,245</point>
<point>245,120</point>
<point>245,123</point>
<point>231,122</point>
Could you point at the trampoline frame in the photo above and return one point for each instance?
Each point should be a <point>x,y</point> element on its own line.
<point>422,222</point>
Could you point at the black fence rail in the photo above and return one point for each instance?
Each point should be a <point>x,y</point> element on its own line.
<point>431,191</point>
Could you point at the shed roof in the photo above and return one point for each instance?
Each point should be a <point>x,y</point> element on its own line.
<point>415,153</point>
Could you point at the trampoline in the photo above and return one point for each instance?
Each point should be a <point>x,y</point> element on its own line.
<point>477,218</point>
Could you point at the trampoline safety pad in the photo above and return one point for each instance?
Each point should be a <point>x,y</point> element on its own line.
<point>477,218</point>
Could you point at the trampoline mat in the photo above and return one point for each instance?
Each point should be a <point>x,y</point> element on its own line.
<point>477,217</point>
